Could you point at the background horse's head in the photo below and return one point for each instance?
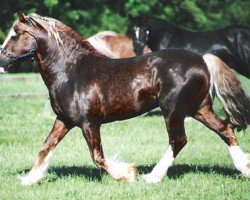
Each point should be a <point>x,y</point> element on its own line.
<point>138,32</point>
<point>20,45</point>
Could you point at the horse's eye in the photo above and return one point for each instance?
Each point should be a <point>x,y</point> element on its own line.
<point>14,37</point>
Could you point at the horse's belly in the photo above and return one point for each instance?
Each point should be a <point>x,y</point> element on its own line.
<point>129,111</point>
<point>131,104</point>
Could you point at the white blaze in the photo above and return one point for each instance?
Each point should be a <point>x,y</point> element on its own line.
<point>11,33</point>
<point>37,173</point>
<point>137,31</point>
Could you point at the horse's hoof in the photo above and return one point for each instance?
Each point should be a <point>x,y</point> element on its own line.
<point>246,174</point>
<point>132,173</point>
<point>246,171</point>
<point>151,178</point>
<point>25,181</point>
<point>248,156</point>
<point>122,171</point>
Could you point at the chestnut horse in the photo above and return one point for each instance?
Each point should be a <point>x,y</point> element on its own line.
<point>114,45</point>
<point>88,89</point>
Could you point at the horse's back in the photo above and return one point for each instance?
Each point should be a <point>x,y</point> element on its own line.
<point>112,44</point>
<point>169,66</point>
<point>179,64</point>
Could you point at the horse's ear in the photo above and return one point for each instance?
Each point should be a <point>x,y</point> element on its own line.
<point>21,16</point>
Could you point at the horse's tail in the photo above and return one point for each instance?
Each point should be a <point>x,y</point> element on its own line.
<point>228,89</point>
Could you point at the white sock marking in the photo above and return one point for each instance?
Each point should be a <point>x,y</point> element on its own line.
<point>240,160</point>
<point>37,174</point>
<point>11,33</point>
<point>160,170</point>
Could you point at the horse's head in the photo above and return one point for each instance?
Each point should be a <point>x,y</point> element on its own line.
<point>20,44</point>
<point>138,32</point>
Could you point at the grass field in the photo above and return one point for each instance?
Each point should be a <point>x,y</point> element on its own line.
<point>203,170</point>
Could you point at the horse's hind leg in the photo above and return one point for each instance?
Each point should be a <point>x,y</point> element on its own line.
<point>177,140</point>
<point>175,104</point>
<point>41,165</point>
<point>118,170</point>
<point>207,116</point>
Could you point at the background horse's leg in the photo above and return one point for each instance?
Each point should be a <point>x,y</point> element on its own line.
<point>118,170</point>
<point>41,165</point>
<point>207,116</point>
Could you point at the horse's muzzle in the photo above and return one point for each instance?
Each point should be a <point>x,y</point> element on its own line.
<point>138,50</point>
<point>4,63</point>
<point>138,47</point>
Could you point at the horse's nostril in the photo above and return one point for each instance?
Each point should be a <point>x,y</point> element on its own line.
<point>3,63</point>
<point>138,50</point>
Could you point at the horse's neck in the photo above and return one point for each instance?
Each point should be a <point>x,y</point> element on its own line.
<point>50,70</point>
<point>160,26</point>
<point>159,29</point>
<point>59,62</point>
<point>53,61</point>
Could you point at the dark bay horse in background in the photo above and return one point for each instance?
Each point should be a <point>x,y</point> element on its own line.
<point>88,89</point>
<point>114,45</point>
<point>231,44</point>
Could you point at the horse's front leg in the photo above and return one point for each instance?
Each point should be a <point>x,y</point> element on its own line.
<point>59,130</point>
<point>118,170</point>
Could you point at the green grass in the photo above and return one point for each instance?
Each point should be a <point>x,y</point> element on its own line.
<point>16,84</point>
<point>203,169</point>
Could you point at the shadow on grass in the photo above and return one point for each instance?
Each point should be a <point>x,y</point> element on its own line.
<point>175,172</point>
<point>89,173</point>
<point>178,171</point>
<point>155,112</point>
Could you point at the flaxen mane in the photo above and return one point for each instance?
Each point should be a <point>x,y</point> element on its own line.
<point>56,29</point>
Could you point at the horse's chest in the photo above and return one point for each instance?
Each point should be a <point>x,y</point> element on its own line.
<point>80,104</point>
